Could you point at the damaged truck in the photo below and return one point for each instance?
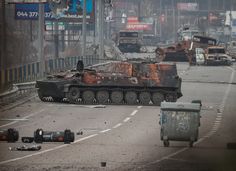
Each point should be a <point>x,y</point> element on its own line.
<point>216,55</point>
<point>120,82</point>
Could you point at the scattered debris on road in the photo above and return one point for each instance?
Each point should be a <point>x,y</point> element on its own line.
<point>41,136</point>
<point>27,139</point>
<point>26,148</point>
<point>9,135</point>
<point>231,146</point>
<point>103,164</point>
<point>79,133</point>
<point>18,119</point>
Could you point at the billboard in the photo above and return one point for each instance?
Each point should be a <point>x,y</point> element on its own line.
<point>188,6</point>
<point>139,23</point>
<point>26,1</point>
<point>30,12</point>
<point>74,10</point>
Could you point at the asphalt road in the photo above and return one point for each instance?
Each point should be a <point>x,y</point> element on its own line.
<point>128,137</point>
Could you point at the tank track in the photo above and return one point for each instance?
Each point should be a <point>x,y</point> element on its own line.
<point>167,96</point>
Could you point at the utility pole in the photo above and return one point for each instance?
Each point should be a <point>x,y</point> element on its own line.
<point>3,55</point>
<point>160,25</point>
<point>56,38</point>
<point>101,29</point>
<point>208,17</point>
<point>84,30</point>
<point>173,17</point>
<point>41,39</point>
<point>95,23</point>
<point>230,19</point>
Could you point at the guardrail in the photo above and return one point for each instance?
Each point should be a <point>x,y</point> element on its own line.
<point>30,72</point>
<point>23,77</point>
<point>16,92</point>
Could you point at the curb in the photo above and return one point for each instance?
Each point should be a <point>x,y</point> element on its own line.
<point>16,92</point>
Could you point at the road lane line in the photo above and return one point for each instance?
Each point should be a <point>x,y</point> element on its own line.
<point>84,138</point>
<point>48,150</point>
<point>106,130</point>
<point>209,134</point>
<point>118,125</point>
<point>134,112</point>
<point>126,119</point>
<point>139,107</point>
<point>217,123</point>
<point>26,117</point>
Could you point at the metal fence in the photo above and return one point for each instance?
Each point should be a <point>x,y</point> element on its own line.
<point>31,71</point>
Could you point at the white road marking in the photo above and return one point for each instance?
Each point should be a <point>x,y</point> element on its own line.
<point>209,134</point>
<point>126,119</point>
<point>26,117</point>
<point>134,112</point>
<point>218,119</point>
<point>48,150</point>
<point>106,130</point>
<point>84,138</point>
<point>139,107</point>
<point>14,119</point>
<point>118,125</point>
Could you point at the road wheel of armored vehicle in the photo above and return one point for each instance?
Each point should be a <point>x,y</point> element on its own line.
<point>41,97</point>
<point>102,97</point>
<point>73,94</point>
<point>157,98</point>
<point>131,97</point>
<point>144,98</point>
<point>88,96</point>
<point>57,99</point>
<point>171,97</point>
<point>117,97</point>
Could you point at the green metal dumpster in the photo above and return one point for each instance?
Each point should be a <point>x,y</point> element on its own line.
<point>179,122</point>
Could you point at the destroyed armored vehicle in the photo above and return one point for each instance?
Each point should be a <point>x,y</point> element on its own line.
<point>114,83</point>
<point>216,55</point>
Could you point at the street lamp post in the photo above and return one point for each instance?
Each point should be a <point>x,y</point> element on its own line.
<point>84,30</point>
<point>101,29</point>
<point>41,39</point>
<point>160,13</point>
<point>3,37</point>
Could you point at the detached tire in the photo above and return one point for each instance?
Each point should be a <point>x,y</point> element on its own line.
<point>73,94</point>
<point>57,99</point>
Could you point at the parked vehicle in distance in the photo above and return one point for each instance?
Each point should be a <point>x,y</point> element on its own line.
<point>199,56</point>
<point>216,55</point>
<point>231,49</point>
<point>129,41</point>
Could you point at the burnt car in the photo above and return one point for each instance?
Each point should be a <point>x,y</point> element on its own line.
<point>216,55</point>
<point>123,82</point>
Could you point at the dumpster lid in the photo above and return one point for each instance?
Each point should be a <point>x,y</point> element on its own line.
<point>180,106</point>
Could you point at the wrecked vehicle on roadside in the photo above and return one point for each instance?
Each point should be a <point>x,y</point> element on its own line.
<point>120,82</point>
<point>216,55</point>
